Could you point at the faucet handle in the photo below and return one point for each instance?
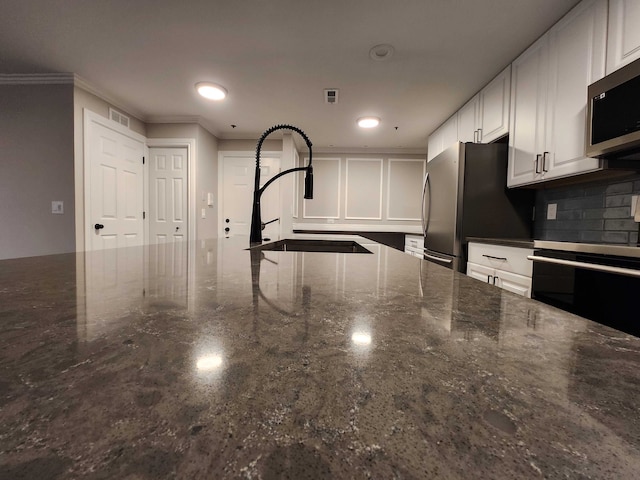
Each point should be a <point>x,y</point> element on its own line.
<point>264,224</point>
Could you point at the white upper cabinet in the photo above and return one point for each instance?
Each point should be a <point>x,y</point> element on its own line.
<point>624,33</point>
<point>576,59</point>
<point>549,97</point>
<point>468,120</point>
<point>442,138</point>
<point>449,132</point>
<point>493,112</point>
<point>528,109</point>
<point>485,117</point>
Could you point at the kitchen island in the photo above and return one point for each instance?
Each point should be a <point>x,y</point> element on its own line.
<point>205,360</point>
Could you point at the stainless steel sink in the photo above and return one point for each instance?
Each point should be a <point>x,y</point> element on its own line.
<point>300,245</point>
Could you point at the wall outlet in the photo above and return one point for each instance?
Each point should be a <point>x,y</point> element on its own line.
<point>552,211</point>
<point>203,213</point>
<point>57,207</point>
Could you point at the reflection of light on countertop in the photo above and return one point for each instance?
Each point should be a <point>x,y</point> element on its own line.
<point>361,338</point>
<point>209,363</point>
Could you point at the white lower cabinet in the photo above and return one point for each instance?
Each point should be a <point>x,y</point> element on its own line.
<point>502,266</point>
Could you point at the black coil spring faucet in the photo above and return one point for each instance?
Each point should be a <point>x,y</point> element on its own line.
<point>256,216</point>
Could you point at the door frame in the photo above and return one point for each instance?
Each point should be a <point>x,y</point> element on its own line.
<point>90,117</point>
<point>190,145</point>
<point>230,154</point>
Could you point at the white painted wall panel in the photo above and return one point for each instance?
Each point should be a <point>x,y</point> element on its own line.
<point>363,200</point>
<point>326,189</point>
<point>404,192</point>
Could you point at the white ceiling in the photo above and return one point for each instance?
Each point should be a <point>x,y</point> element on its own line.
<point>275,57</point>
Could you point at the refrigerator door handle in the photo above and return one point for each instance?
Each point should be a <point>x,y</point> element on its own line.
<point>425,222</point>
<point>438,259</point>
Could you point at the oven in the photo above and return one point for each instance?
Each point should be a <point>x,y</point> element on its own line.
<point>598,282</point>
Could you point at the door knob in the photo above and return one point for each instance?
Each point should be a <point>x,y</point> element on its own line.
<point>98,226</point>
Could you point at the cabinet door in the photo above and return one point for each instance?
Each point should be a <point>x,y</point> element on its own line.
<point>493,118</point>
<point>624,35</point>
<point>434,145</point>
<point>480,272</point>
<point>449,132</point>
<point>468,121</point>
<point>527,113</point>
<point>513,283</point>
<point>577,47</point>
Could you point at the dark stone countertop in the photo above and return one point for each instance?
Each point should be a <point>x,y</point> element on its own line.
<point>168,362</point>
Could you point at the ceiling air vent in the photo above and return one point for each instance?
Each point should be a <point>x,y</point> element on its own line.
<point>331,95</point>
<point>118,117</point>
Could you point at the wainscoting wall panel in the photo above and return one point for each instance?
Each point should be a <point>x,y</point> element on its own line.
<point>363,198</point>
<point>404,189</point>
<point>326,189</point>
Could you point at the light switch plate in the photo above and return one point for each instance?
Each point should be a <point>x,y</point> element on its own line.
<point>57,207</point>
<point>552,211</point>
<point>204,213</point>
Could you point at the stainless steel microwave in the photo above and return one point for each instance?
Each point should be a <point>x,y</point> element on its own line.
<point>613,115</point>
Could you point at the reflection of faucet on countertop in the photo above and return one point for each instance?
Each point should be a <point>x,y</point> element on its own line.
<point>256,217</point>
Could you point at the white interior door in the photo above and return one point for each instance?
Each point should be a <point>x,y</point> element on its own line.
<point>237,195</point>
<point>168,194</point>
<point>114,184</point>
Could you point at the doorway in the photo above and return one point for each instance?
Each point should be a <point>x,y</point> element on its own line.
<point>237,175</point>
<point>114,184</point>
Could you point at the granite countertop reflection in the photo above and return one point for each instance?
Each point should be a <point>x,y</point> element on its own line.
<point>202,360</point>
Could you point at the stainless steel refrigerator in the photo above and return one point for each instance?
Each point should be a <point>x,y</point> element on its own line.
<point>465,195</point>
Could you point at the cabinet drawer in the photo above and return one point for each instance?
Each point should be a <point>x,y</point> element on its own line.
<point>514,283</point>
<point>509,259</point>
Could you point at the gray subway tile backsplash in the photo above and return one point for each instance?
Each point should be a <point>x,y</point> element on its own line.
<point>598,212</point>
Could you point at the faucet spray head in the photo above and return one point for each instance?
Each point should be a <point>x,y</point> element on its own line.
<point>308,183</point>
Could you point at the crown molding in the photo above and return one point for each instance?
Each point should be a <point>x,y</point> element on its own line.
<point>184,119</point>
<point>37,79</point>
<point>89,87</point>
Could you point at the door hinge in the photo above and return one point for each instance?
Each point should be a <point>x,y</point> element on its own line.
<point>143,160</point>
<point>144,215</point>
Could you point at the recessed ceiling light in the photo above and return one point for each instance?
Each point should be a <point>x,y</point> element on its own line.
<point>384,51</point>
<point>211,91</point>
<point>368,122</point>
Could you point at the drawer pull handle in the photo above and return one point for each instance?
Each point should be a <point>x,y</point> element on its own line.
<point>504,259</point>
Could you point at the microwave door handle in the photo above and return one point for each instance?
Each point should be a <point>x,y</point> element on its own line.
<point>425,222</point>
<point>587,266</point>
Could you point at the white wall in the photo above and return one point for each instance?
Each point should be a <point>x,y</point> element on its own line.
<point>36,167</point>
